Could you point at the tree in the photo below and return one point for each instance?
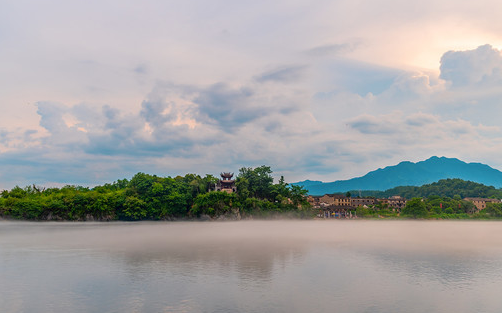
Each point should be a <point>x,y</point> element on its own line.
<point>467,207</point>
<point>242,185</point>
<point>493,209</point>
<point>415,208</point>
<point>280,191</point>
<point>259,180</point>
<point>298,195</point>
<point>141,183</point>
<point>148,196</point>
<point>213,203</point>
<point>134,209</point>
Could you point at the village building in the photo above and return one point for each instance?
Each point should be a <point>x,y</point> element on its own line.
<point>357,202</point>
<point>327,200</point>
<point>226,183</point>
<point>394,202</point>
<point>314,201</point>
<point>335,200</point>
<point>341,201</point>
<point>335,206</point>
<point>341,206</point>
<point>480,203</point>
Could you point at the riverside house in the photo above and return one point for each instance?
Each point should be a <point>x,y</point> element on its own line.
<point>341,206</point>
<point>480,203</point>
<point>337,202</point>
<point>340,201</point>
<point>356,202</point>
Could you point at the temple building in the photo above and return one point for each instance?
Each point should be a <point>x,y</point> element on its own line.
<point>226,183</point>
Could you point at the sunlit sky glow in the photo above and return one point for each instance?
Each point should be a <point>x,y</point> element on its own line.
<point>96,91</point>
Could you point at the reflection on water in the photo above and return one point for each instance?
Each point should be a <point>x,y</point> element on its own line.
<point>268,266</point>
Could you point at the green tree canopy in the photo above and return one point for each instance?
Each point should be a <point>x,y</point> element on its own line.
<point>415,208</point>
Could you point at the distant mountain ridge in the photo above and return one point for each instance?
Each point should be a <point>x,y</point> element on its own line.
<point>410,174</point>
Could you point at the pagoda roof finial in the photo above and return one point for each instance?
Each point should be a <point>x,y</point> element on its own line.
<point>227,175</point>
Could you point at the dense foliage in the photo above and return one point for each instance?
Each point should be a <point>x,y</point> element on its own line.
<point>415,208</point>
<point>442,199</point>
<point>435,207</point>
<point>443,188</point>
<point>149,197</point>
<point>156,198</point>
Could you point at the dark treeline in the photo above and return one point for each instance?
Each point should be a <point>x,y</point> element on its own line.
<point>443,188</point>
<point>151,197</point>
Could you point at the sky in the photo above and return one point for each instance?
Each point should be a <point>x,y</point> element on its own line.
<point>95,91</point>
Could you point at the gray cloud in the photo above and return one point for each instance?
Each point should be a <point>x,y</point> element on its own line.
<point>420,119</point>
<point>157,113</point>
<point>228,108</point>
<point>332,49</point>
<point>178,128</point>
<point>141,69</point>
<point>285,74</point>
<point>51,116</point>
<point>373,125</point>
<point>3,136</point>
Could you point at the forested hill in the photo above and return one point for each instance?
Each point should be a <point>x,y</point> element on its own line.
<point>444,188</point>
<point>158,198</point>
<point>411,174</point>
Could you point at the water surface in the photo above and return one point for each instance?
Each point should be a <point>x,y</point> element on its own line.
<point>251,266</point>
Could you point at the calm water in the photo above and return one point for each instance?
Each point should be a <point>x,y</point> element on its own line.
<point>272,266</point>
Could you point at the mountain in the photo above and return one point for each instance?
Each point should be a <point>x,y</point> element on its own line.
<point>411,174</point>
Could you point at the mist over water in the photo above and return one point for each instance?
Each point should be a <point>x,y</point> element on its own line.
<point>251,266</point>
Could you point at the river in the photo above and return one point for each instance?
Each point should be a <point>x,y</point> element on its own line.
<point>251,266</point>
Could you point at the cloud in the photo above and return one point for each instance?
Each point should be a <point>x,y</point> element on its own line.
<point>284,74</point>
<point>157,111</point>
<point>411,86</point>
<point>368,124</point>
<point>420,135</point>
<point>178,129</point>
<point>356,77</point>
<point>51,116</point>
<point>420,120</point>
<point>481,66</point>
<point>141,69</point>
<point>3,136</point>
<point>420,129</point>
<point>333,49</point>
<point>322,118</point>
<point>227,107</point>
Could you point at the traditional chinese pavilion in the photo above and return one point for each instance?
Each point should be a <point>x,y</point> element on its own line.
<point>226,183</point>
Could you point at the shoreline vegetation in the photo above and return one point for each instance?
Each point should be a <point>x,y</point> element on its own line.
<point>150,197</point>
<point>192,197</point>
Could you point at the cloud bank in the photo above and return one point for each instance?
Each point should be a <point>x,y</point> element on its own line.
<point>204,129</point>
<point>210,88</point>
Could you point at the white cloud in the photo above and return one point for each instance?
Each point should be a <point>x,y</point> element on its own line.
<point>482,66</point>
